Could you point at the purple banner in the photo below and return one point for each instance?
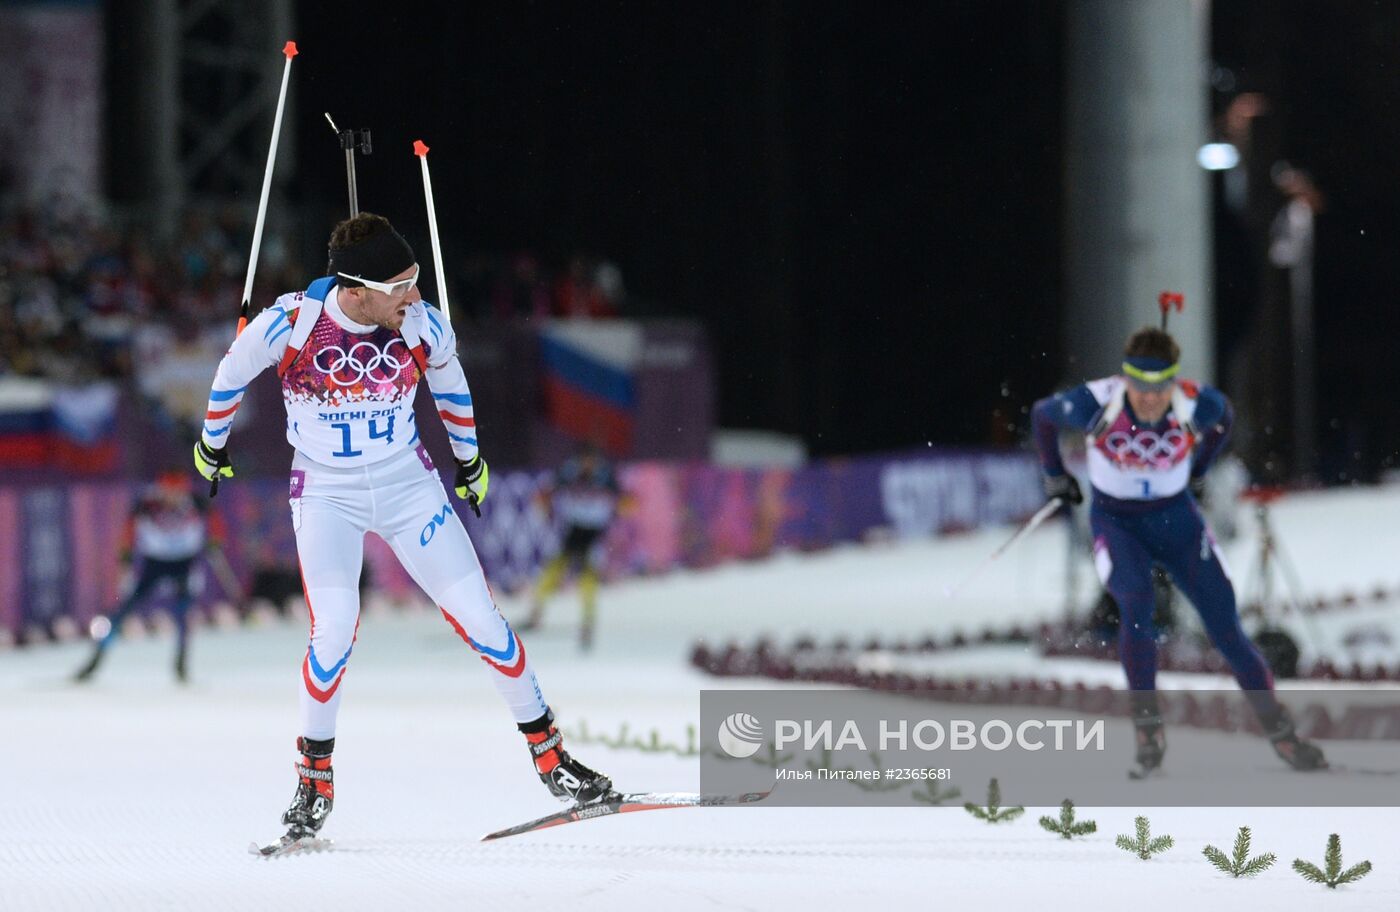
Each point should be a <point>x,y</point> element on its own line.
<point>46,553</point>
<point>11,563</point>
<point>96,520</point>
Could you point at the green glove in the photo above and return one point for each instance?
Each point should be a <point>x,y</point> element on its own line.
<point>473,478</point>
<point>212,464</point>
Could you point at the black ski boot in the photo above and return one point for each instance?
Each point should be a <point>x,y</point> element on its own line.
<point>1150,735</point>
<point>182,672</point>
<point>565,777</point>
<point>315,794</point>
<point>1300,754</point>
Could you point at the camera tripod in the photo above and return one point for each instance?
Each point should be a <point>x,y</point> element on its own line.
<point>1259,598</point>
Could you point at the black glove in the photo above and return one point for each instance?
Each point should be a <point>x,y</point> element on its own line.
<point>1064,487</point>
<point>1198,488</point>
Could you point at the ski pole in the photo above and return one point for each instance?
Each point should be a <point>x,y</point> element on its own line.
<point>289,50</point>
<point>1027,528</point>
<point>420,149</point>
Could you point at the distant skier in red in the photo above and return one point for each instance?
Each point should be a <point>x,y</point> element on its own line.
<point>167,532</point>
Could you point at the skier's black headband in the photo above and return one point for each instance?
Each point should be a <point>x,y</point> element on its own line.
<point>379,257</point>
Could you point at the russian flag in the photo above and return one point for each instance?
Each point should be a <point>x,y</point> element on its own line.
<point>589,380</point>
<point>65,428</point>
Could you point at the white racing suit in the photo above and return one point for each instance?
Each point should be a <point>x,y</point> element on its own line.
<point>358,468</point>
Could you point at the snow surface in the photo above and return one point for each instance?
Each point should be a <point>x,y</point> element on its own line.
<point>136,793</point>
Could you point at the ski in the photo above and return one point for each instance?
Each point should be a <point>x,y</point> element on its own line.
<point>290,844</point>
<point>619,803</point>
<point>1343,768</point>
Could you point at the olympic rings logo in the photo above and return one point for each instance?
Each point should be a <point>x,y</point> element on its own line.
<point>343,364</point>
<point>1146,446</point>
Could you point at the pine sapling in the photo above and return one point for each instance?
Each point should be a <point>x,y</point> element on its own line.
<point>1066,825</point>
<point>994,812</point>
<point>1240,864</point>
<point>1334,874</point>
<point>1144,846</point>
<point>933,793</point>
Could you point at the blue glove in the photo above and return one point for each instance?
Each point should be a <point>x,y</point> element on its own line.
<point>1064,487</point>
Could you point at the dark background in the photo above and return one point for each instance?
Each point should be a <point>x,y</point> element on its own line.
<point>862,208</point>
<point>1331,72</point>
<point>864,205</point>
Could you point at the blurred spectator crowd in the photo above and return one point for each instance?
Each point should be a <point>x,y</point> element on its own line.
<point>80,298</point>
<point>504,288</point>
<point>84,300</point>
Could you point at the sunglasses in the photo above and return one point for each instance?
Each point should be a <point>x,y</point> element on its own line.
<point>392,289</point>
<point>1145,380</point>
<point>1139,386</point>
